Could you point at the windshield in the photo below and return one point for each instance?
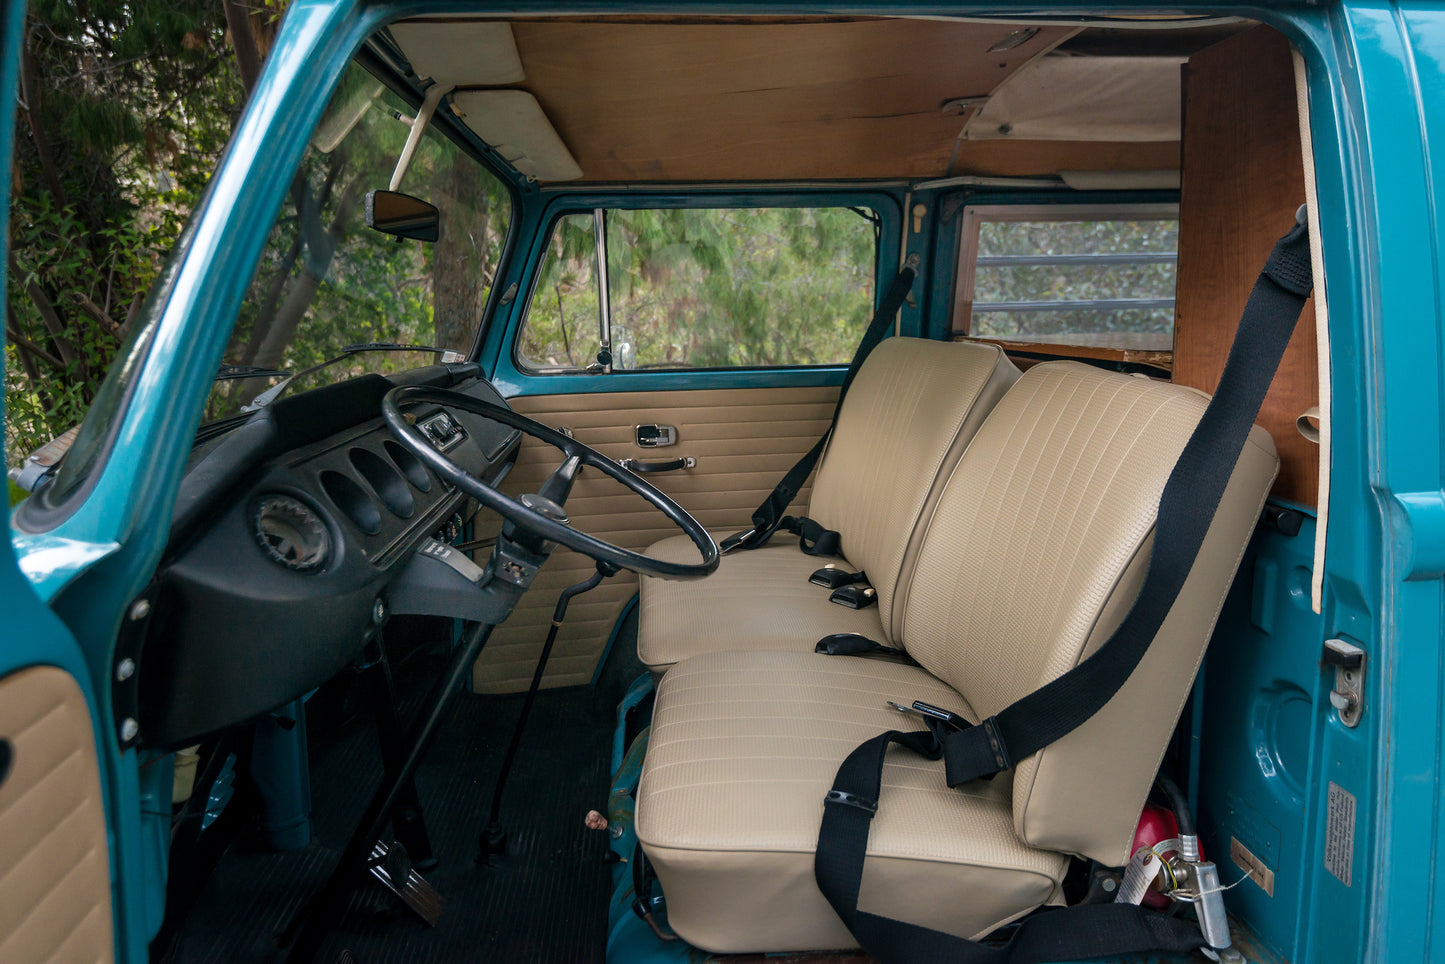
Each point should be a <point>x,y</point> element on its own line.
<point>326,281</point>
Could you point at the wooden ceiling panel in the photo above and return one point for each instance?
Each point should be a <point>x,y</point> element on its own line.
<point>778,100</point>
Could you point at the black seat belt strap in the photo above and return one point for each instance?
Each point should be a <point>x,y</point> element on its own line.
<point>813,539</point>
<point>769,515</point>
<point>856,644</point>
<point>1092,930</point>
<point>1187,506</point>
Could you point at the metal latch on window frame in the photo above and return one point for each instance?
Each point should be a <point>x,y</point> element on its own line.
<point>1348,696</point>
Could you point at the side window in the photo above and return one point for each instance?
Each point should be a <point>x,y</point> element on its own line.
<point>1084,280</point>
<point>563,330</point>
<point>702,288</point>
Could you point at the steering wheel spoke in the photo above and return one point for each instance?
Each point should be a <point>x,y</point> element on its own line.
<point>541,514</point>
<point>559,484</point>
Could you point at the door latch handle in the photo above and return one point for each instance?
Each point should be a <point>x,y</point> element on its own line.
<point>1348,696</point>
<point>655,436</point>
<point>643,468</point>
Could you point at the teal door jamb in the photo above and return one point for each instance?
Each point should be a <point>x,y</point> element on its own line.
<point>1398,136</point>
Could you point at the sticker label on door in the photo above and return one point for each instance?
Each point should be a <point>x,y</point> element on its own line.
<point>1340,833</point>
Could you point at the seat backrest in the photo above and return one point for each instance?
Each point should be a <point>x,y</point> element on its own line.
<point>1033,555</point>
<point>910,412</point>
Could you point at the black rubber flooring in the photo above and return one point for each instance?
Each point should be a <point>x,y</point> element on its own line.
<point>546,902</point>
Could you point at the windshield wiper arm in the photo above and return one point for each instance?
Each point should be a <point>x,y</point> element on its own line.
<point>228,372</point>
<point>272,393</point>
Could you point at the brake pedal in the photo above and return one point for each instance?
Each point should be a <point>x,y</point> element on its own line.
<point>391,866</point>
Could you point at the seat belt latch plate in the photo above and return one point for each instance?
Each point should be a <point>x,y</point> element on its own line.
<point>856,596</point>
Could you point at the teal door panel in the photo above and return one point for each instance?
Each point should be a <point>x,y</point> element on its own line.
<point>33,635</point>
<point>1259,738</point>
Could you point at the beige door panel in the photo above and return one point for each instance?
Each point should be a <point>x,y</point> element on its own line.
<point>743,441</point>
<point>54,857</point>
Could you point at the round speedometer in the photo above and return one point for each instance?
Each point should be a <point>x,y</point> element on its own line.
<point>291,533</point>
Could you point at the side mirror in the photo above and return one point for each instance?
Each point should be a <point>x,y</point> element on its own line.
<point>402,215</point>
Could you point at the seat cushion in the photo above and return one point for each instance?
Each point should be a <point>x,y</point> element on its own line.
<point>1036,550</point>
<point>755,600</point>
<point>906,421</point>
<point>913,409</point>
<point>744,745</point>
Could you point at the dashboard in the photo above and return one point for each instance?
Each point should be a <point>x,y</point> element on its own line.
<point>289,526</point>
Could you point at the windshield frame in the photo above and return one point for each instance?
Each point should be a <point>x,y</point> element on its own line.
<point>281,116</point>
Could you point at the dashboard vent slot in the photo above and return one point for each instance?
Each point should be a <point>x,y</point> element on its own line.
<point>409,465</point>
<point>385,481</point>
<point>353,501</point>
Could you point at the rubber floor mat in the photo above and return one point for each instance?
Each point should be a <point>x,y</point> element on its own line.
<point>546,901</point>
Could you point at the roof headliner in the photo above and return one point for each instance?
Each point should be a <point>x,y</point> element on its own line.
<point>722,99</point>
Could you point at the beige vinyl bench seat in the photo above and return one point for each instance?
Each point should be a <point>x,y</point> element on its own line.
<point>912,409</point>
<point>1035,551</point>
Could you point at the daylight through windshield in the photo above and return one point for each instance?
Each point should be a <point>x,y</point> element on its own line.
<point>327,282</point>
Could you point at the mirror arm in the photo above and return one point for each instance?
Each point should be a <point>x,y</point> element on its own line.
<point>419,124</point>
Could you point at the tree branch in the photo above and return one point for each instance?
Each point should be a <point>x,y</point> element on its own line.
<point>243,42</point>
<point>48,314</point>
<point>30,91</point>
<point>95,311</point>
<point>29,350</point>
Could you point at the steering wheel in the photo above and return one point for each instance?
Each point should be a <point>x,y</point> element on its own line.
<point>542,514</point>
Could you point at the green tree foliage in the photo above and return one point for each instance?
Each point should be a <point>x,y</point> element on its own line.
<point>326,280</point>
<point>711,287</point>
<point>1128,328</point>
<point>124,110</point>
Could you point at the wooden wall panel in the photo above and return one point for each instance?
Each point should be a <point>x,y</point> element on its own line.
<point>1243,179</point>
<point>725,101</point>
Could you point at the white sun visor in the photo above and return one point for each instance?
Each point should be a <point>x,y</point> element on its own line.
<point>1063,98</point>
<point>513,123</point>
<point>473,54</point>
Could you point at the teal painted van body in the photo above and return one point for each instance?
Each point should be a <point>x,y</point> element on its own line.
<point>1376,80</point>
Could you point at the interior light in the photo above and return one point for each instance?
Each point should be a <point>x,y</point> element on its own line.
<point>1016,39</point>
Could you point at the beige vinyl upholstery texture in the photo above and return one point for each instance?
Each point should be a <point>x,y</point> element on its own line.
<point>1034,554</point>
<point>54,857</point>
<point>743,440</point>
<point>909,414</point>
<point>759,599</point>
<point>743,747</point>
<point>1031,557</point>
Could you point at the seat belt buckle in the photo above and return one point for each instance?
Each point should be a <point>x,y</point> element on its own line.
<point>930,712</point>
<point>737,540</point>
<point>831,577</point>
<point>857,596</point>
